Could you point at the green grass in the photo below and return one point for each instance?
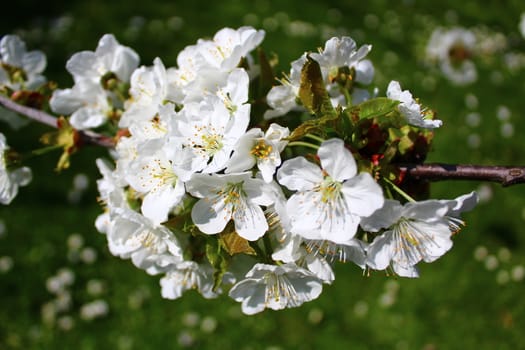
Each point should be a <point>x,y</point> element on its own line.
<point>458,303</point>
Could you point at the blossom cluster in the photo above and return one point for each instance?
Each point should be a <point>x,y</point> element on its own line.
<point>223,182</point>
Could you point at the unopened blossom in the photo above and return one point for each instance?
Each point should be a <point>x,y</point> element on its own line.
<point>236,197</point>
<point>409,108</point>
<point>19,68</point>
<point>414,232</point>
<point>261,149</point>
<point>10,178</point>
<point>275,287</point>
<point>330,201</point>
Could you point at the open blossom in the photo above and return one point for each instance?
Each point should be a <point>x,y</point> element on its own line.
<point>415,231</point>
<point>208,135</point>
<point>226,197</point>
<point>330,201</point>
<point>261,149</point>
<point>13,54</point>
<point>154,174</point>
<point>409,108</point>
<point>339,53</point>
<point>229,46</point>
<point>275,287</point>
<point>151,247</point>
<point>187,275</point>
<point>89,101</point>
<point>10,179</point>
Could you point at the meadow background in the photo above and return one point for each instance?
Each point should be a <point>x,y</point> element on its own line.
<point>60,288</point>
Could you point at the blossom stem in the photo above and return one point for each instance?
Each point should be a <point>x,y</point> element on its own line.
<point>303,144</point>
<point>398,190</point>
<point>315,137</point>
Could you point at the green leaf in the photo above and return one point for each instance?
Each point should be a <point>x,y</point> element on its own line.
<point>312,91</point>
<point>376,107</point>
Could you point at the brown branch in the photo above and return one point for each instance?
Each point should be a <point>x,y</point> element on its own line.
<point>88,137</point>
<point>505,175</point>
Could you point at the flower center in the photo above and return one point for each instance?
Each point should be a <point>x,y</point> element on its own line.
<point>232,194</point>
<point>329,189</point>
<point>261,150</point>
<point>212,143</point>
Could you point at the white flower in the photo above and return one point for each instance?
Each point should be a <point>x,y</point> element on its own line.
<point>187,275</point>
<point>229,46</point>
<point>109,56</point>
<point>10,179</point>
<point>415,231</point>
<point>275,287</point>
<point>261,149</point>
<point>88,101</point>
<point>331,201</point>
<point>208,134</point>
<point>227,197</point>
<point>14,54</point>
<point>409,108</point>
<point>154,174</point>
<point>148,90</point>
<point>150,247</point>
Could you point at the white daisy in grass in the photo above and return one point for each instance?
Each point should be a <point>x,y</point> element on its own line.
<point>330,201</point>
<point>236,197</point>
<point>275,287</point>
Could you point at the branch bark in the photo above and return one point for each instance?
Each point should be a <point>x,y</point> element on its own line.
<point>505,175</point>
<point>88,137</point>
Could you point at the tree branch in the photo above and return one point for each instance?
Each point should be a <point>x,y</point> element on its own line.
<point>87,137</point>
<point>505,175</point>
<point>32,113</point>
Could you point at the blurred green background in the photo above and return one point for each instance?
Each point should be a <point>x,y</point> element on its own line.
<point>472,298</point>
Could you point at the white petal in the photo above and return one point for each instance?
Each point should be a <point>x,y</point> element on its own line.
<point>380,251</point>
<point>211,218</point>
<point>362,194</point>
<point>337,160</point>
<point>299,174</point>
<point>250,223</point>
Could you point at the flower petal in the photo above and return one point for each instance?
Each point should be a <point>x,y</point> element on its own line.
<point>337,160</point>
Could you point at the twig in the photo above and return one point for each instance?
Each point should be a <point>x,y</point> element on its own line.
<point>29,112</point>
<point>88,137</point>
<point>505,175</point>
